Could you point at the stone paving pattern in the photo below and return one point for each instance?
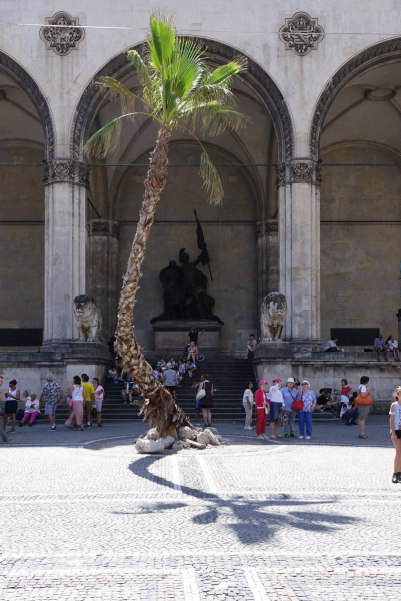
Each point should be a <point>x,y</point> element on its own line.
<point>85,517</point>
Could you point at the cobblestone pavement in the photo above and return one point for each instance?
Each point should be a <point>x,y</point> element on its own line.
<point>85,517</point>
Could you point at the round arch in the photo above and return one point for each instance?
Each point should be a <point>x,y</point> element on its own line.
<point>120,66</point>
<point>10,68</point>
<point>378,54</point>
<point>251,180</point>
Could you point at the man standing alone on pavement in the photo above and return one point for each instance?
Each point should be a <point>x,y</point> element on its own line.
<point>3,436</point>
<point>90,397</point>
<point>52,395</point>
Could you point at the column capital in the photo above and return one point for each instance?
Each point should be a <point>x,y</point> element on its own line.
<point>302,170</point>
<point>267,227</point>
<point>103,227</point>
<point>62,170</point>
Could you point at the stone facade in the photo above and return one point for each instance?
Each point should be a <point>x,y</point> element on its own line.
<point>324,236</point>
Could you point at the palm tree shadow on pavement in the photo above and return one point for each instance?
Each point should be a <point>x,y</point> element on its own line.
<point>252,520</point>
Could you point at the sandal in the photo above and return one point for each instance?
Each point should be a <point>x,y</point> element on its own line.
<point>286,435</point>
<point>363,436</point>
<point>80,430</point>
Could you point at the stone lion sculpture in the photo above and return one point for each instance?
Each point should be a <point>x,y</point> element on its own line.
<point>87,318</point>
<point>272,316</point>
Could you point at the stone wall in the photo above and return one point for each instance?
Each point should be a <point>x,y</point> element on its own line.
<point>230,234</point>
<point>21,239</point>
<point>360,229</point>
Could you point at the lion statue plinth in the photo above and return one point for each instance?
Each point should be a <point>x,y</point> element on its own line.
<point>272,316</point>
<point>87,318</point>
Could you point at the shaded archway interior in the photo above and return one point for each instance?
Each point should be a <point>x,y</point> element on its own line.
<point>230,229</point>
<point>22,211</point>
<point>360,206</point>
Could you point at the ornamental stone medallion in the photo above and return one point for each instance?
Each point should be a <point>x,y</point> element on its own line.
<point>301,34</point>
<point>60,33</point>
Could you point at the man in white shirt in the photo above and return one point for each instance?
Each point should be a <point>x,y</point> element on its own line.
<point>331,346</point>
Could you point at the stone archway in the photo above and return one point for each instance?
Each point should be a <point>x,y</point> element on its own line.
<point>356,132</point>
<point>255,75</point>
<point>373,56</point>
<point>21,77</point>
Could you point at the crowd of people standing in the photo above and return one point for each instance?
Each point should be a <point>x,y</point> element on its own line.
<point>82,396</point>
<point>281,405</point>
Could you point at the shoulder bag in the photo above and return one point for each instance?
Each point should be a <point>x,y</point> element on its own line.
<point>298,405</point>
<point>201,393</point>
<point>363,401</point>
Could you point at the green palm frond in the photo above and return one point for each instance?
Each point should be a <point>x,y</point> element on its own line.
<point>149,90</point>
<point>212,119</point>
<point>119,92</point>
<point>181,77</point>
<point>211,179</point>
<point>105,139</point>
<point>161,43</point>
<point>223,74</point>
<point>179,89</point>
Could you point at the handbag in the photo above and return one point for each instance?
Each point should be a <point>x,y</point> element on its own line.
<point>363,401</point>
<point>282,416</point>
<point>298,405</point>
<point>201,393</point>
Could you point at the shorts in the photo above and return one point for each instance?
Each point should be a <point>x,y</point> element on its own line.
<point>50,409</point>
<point>274,411</point>
<point>363,411</point>
<point>11,407</point>
<point>171,389</point>
<point>98,405</point>
<point>398,434</point>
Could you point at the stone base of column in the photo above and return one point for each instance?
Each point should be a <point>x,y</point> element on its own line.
<point>171,337</point>
<point>63,359</point>
<point>273,350</point>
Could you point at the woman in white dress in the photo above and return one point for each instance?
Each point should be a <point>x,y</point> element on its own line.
<point>77,396</point>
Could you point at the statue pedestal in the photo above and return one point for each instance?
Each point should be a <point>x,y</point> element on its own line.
<point>171,337</point>
<point>278,349</point>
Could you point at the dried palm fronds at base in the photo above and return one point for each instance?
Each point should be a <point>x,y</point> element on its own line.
<point>162,412</point>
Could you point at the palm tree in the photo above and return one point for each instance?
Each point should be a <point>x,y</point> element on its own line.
<point>178,90</point>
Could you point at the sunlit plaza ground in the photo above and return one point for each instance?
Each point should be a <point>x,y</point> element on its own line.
<point>86,517</point>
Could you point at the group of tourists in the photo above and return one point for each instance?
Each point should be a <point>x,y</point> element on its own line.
<point>280,405</point>
<point>82,396</point>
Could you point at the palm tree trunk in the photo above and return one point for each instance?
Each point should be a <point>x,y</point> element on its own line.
<point>159,406</point>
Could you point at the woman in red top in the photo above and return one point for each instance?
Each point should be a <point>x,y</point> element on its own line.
<point>261,403</point>
<point>345,389</point>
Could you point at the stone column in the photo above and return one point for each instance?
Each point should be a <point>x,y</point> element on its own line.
<point>299,248</point>
<point>102,255</point>
<point>267,240</point>
<point>66,182</point>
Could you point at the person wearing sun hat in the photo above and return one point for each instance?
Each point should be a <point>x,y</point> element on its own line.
<point>276,403</point>
<point>289,395</point>
<point>262,409</point>
<point>308,398</point>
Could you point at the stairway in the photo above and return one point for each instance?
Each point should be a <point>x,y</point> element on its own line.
<point>227,375</point>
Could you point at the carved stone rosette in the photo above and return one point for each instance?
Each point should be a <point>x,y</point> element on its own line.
<point>103,227</point>
<point>302,170</point>
<point>267,227</point>
<point>301,34</point>
<point>66,170</point>
<point>60,33</point>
